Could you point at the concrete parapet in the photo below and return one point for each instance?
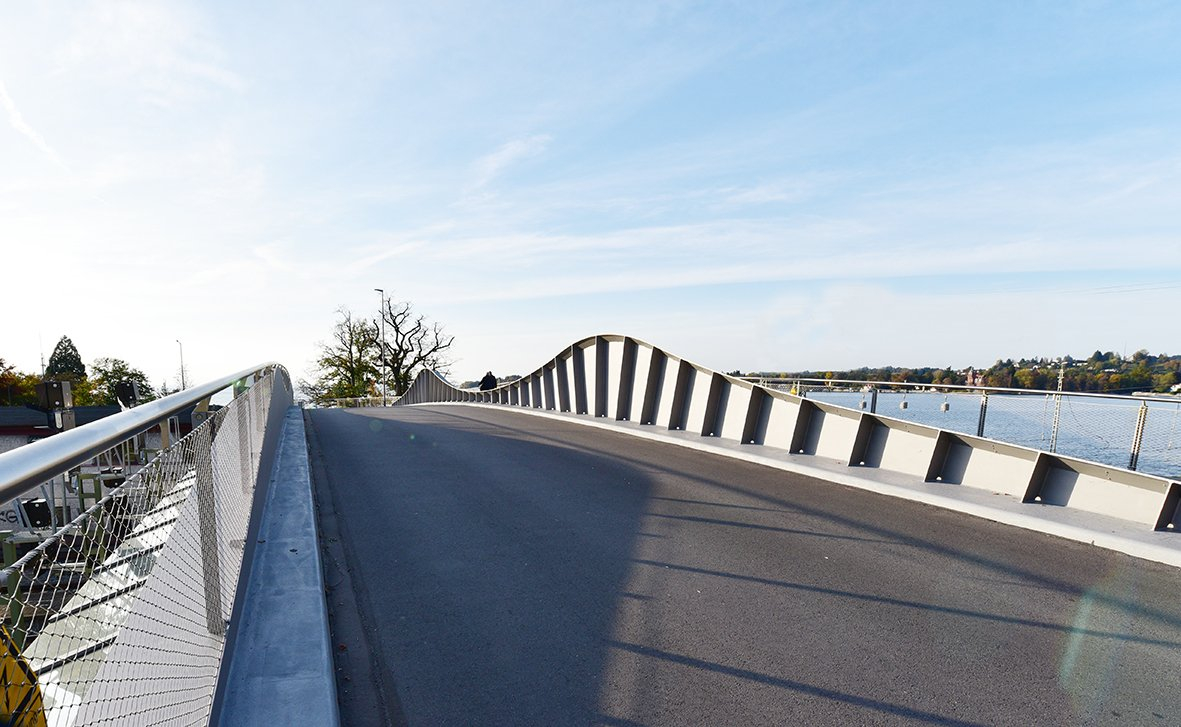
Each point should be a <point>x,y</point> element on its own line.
<point>626,380</point>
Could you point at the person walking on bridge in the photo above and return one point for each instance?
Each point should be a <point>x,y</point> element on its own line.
<point>488,382</point>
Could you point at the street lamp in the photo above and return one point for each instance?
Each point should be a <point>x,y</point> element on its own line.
<point>381,311</point>
<point>182,364</point>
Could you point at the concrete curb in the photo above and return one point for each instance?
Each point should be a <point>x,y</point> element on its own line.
<point>1104,532</point>
<point>281,668</point>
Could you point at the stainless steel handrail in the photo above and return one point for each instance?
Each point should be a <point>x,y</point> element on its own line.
<point>26,467</point>
<point>941,387</point>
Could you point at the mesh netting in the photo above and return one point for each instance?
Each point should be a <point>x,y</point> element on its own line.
<point>1100,429</point>
<point>122,614</point>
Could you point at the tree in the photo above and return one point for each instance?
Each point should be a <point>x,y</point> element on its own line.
<point>65,363</point>
<point>409,343</point>
<point>16,387</point>
<point>107,372</point>
<point>347,365</point>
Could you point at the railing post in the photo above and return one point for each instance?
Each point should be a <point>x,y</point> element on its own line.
<point>873,400</point>
<point>983,414</point>
<point>207,525</point>
<point>1054,425</point>
<point>1138,437</point>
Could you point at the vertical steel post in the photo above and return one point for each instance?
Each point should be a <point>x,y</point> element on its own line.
<point>1057,409</point>
<point>1138,437</point>
<point>983,413</point>
<point>207,525</point>
<point>1057,418</point>
<point>873,400</point>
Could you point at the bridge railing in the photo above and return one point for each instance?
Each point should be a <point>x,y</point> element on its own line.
<point>1137,432</point>
<point>120,616</point>
<point>636,384</point>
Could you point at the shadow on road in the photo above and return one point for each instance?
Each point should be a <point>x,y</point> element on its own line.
<point>530,573</point>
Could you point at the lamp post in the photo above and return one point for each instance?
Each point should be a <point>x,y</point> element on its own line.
<point>381,311</point>
<point>182,364</point>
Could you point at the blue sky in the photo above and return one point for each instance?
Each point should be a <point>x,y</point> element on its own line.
<point>751,185</point>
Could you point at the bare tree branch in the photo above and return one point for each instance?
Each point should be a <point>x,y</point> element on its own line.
<point>412,343</point>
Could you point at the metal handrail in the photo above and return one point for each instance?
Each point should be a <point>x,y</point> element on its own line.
<point>941,387</point>
<point>26,467</point>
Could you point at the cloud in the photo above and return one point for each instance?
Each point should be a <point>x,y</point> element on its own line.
<point>167,51</point>
<point>22,127</point>
<point>490,166</point>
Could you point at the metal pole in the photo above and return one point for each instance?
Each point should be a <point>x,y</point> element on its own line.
<point>873,400</point>
<point>384,376</point>
<point>983,414</point>
<point>207,528</point>
<point>182,364</point>
<point>1057,409</point>
<point>1138,437</point>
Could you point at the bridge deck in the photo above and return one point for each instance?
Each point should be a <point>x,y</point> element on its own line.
<point>512,569</point>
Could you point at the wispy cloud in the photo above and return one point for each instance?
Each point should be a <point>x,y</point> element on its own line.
<point>17,121</point>
<point>167,50</point>
<point>490,166</point>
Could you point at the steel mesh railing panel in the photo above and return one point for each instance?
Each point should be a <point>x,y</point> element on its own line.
<point>1099,429</point>
<point>122,614</point>
<point>1020,419</point>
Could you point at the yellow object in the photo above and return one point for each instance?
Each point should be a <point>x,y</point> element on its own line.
<point>20,693</point>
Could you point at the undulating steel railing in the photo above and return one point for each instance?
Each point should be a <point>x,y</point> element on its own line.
<point>120,617</point>
<point>625,379</point>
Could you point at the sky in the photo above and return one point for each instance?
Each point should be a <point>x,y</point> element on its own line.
<point>757,186</point>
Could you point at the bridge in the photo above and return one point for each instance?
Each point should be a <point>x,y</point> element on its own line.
<point>621,537</point>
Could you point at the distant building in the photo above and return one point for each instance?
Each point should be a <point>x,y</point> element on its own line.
<point>21,425</point>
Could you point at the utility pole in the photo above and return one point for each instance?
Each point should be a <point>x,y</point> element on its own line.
<point>381,311</point>
<point>182,364</point>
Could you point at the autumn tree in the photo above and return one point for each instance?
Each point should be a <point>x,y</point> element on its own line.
<point>16,387</point>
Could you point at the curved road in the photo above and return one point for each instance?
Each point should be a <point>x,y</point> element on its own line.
<point>487,567</point>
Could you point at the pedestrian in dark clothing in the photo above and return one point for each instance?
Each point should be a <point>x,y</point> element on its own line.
<point>488,382</point>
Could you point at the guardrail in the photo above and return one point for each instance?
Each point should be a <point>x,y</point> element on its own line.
<point>1136,432</point>
<point>628,380</point>
<point>121,616</point>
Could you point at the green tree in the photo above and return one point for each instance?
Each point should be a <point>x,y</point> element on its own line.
<point>347,366</point>
<point>107,372</point>
<point>65,363</point>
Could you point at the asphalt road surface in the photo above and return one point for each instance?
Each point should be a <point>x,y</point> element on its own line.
<point>488,567</point>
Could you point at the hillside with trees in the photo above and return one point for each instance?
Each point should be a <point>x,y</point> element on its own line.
<point>1101,372</point>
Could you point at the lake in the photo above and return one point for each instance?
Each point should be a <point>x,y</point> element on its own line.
<point>1089,428</point>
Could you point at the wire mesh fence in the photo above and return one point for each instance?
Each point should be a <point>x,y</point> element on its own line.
<point>1132,433</point>
<point>120,617</point>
